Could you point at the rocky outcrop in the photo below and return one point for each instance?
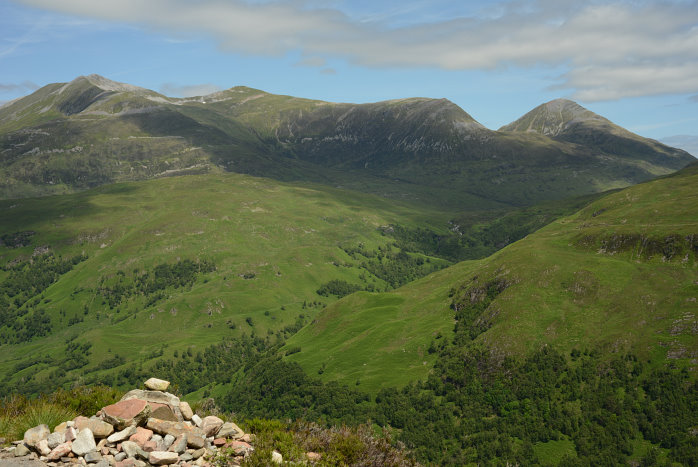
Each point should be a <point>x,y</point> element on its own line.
<point>146,427</point>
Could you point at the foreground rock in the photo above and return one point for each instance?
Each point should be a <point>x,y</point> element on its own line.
<point>146,427</point>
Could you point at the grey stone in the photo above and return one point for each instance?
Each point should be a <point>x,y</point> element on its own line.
<point>198,453</point>
<point>21,450</point>
<point>133,450</point>
<point>102,463</point>
<point>186,457</point>
<point>167,441</point>
<point>230,430</point>
<point>84,442</point>
<point>92,457</point>
<point>163,458</point>
<point>179,445</point>
<point>120,456</point>
<point>54,439</point>
<point>33,435</point>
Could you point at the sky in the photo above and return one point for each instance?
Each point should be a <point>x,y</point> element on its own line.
<point>634,62</point>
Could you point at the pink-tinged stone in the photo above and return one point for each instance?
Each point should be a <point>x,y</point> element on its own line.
<point>211,425</point>
<point>128,462</point>
<point>219,442</point>
<point>163,458</point>
<point>70,433</point>
<point>240,447</point>
<point>62,450</point>
<point>150,446</point>
<point>313,456</point>
<point>247,438</point>
<point>126,412</point>
<point>141,436</point>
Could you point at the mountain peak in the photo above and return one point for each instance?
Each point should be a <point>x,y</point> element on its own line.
<point>553,118</point>
<point>104,84</point>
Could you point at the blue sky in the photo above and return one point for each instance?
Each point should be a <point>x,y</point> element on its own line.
<point>634,62</point>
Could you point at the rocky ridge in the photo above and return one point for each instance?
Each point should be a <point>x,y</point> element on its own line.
<point>146,427</point>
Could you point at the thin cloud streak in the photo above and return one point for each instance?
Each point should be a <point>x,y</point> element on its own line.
<point>612,49</point>
<point>193,90</point>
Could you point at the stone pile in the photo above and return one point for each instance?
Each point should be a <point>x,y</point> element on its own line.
<point>146,427</point>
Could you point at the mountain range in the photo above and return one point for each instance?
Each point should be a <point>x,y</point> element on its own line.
<point>518,296</point>
<point>92,131</point>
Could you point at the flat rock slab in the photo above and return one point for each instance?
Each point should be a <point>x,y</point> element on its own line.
<point>163,412</point>
<point>152,396</point>
<point>126,412</point>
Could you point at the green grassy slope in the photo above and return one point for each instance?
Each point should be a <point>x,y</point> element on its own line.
<point>620,275</point>
<point>272,244</point>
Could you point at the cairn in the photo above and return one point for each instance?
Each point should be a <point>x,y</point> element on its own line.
<point>146,427</point>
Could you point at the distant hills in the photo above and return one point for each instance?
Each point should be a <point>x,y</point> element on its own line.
<point>92,131</point>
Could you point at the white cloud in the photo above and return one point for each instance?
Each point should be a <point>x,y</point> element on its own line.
<point>613,49</point>
<point>19,87</point>
<point>177,90</point>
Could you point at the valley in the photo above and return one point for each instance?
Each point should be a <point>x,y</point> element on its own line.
<point>524,295</point>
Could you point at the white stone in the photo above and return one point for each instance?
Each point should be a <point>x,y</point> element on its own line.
<point>84,442</point>
<point>276,457</point>
<point>163,458</point>
<point>197,420</point>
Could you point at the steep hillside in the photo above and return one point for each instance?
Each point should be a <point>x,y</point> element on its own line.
<point>96,281</point>
<point>619,276</point>
<point>93,131</point>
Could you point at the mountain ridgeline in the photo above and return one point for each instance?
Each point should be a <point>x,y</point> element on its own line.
<point>93,131</point>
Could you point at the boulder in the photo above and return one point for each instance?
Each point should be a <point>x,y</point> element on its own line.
<point>84,442</point>
<point>157,384</point>
<point>185,410</point>
<point>126,412</point>
<point>163,458</point>
<point>33,435</point>
<point>99,428</point>
<point>211,424</point>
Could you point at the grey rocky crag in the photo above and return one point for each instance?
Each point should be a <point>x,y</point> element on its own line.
<point>129,433</point>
